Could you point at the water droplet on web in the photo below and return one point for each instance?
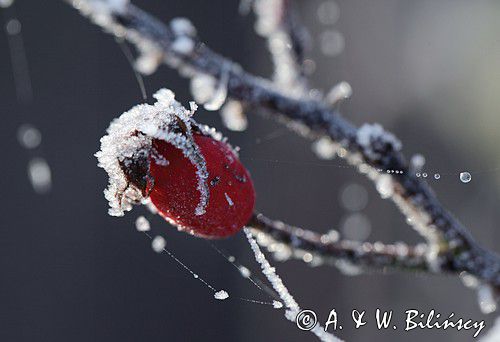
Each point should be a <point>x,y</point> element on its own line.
<point>424,175</point>
<point>29,136</point>
<point>158,244</point>
<point>437,176</point>
<point>245,272</point>
<point>465,177</point>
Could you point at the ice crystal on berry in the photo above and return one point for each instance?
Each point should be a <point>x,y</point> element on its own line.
<point>125,148</point>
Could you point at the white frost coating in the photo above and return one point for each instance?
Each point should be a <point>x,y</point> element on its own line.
<point>123,143</point>
<point>339,92</point>
<point>158,244</point>
<point>385,186</point>
<point>245,272</point>
<point>219,96</point>
<point>233,116</point>
<point>101,12</point>
<point>182,27</point>
<point>277,305</point>
<point>6,3</point>
<point>270,24</point>
<point>203,87</point>
<point>486,298</point>
<point>493,334</point>
<point>368,133</point>
<point>221,295</point>
<point>292,308</point>
<point>149,59</point>
<point>325,148</point>
<point>183,45</point>
<point>229,200</point>
<point>142,224</point>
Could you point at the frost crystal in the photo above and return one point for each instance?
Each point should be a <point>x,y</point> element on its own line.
<point>325,148</point>
<point>277,305</point>
<point>158,244</point>
<point>129,140</point>
<point>245,272</point>
<point>385,186</point>
<point>486,298</point>
<point>183,45</point>
<point>142,224</point>
<point>203,87</point>
<point>229,200</point>
<point>374,141</point>
<point>338,93</point>
<point>182,27</point>
<point>233,117</point>
<point>221,295</point>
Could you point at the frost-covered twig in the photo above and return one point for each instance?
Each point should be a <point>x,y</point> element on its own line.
<point>374,256</point>
<point>286,40</point>
<point>292,307</point>
<point>370,148</point>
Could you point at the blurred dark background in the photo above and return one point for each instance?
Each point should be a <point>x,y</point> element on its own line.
<point>427,70</point>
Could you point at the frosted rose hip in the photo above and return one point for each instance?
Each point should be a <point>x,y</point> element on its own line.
<point>174,192</point>
<point>157,154</point>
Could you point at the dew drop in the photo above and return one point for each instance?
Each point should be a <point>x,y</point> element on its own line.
<point>424,174</point>
<point>465,177</point>
<point>437,176</point>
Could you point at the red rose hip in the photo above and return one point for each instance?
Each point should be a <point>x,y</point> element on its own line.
<point>158,154</point>
<point>176,195</point>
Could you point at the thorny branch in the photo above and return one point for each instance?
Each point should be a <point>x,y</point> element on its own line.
<point>373,151</point>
